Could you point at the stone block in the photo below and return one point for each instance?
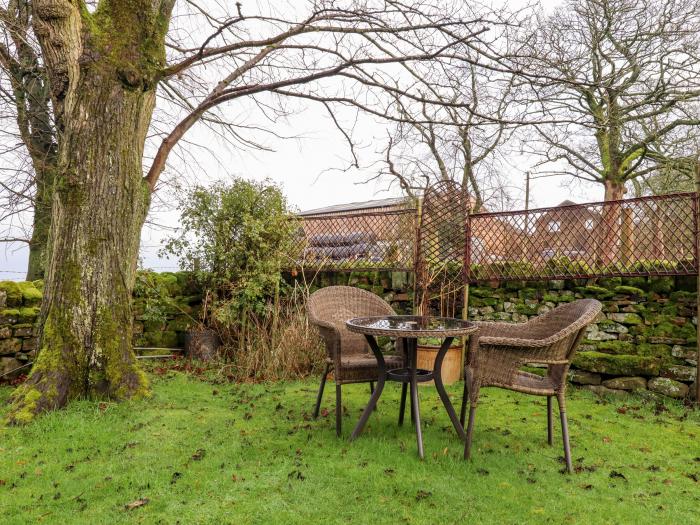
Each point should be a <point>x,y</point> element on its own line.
<point>5,332</point>
<point>29,345</point>
<point>12,292</point>
<point>626,383</point>
<point>23,330</point>
<point>28,314</point>
<point>10,364</point>
<point>685,352</point>
<point>10,346</point>
<point>624,318</point>
<point>9,316</point>
<point>617,365</point>
<point>31,296</point>
<point>668,387</point>
<point>603,390</point>
<point>581,377</point>
<point>594,334</point>
<point>557,285</point>
<point>679,372</point>
<point>615,347</point>
<point>629,290</point>
<point>612,327</point>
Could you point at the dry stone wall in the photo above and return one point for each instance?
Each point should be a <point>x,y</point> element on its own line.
<point>645,338</point>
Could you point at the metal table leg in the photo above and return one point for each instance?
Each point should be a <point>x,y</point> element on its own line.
<point>415,406</point>
<point>440,387</point>
<point>377,390</point>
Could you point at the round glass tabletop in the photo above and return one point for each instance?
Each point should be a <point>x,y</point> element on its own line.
<point>411,326</point>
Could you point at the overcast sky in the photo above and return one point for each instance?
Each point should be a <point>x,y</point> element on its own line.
<point>310,171</point>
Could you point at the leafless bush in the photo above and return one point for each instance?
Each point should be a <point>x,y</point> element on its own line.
<point>278,345</point>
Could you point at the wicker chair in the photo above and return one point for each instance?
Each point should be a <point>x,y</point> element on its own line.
<point>502,349</point>
<point>348,353</point>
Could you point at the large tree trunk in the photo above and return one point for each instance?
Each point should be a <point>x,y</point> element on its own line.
<point>99,205</point>
<point>609,239</point>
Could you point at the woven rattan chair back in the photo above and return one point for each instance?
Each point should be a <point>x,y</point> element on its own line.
<point>337,304</point>
<point>562,326</point>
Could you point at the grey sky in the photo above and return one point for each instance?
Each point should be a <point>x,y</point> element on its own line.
<point>310,171</point>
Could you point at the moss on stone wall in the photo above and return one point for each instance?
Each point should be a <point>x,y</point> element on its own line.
<point>647,327</point>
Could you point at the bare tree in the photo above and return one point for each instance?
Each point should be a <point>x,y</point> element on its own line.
<point>619,79</point>
<point>26,183</point>
<point>461,139</point>
<point>105,62</point>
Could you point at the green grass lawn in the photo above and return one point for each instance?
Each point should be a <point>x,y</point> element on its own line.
<point>200,452</point>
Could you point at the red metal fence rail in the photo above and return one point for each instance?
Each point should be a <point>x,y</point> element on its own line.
<point>633,237</point>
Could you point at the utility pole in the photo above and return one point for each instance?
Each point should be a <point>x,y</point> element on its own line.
<point>527,200</point>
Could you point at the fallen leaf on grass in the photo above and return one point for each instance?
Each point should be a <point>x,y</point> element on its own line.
<point>136,504</point>
<point>422,494</point>
<point>615,474</point>
<point>296,474</point>
<point>199,454</point>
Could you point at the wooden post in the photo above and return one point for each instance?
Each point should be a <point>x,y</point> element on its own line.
<point>416,257</point>
<point>465,316</point>
<point>467,277</point>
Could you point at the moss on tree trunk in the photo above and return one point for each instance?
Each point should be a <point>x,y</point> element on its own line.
<point>100,201</point>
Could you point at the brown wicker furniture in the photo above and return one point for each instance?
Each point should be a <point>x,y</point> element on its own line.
<point>409,328</point>
<point>347,352</point>
<point>497,355</point>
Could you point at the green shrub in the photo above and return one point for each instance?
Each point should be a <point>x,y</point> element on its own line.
<point>235,238</point>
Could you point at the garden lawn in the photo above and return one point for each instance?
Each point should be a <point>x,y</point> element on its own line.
<point>200,452</point>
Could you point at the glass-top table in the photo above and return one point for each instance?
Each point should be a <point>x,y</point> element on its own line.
<point>409,328</point>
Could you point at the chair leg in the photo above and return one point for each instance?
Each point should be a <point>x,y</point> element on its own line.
<point>470,429</point>
<point>473,397</point>
<point>320,390</point>
<point>465,395</point>
<point>338,410</point>
<point>402,408</point>
<point>550,424</point>
<point>371,391</point>
<point>565,432</point>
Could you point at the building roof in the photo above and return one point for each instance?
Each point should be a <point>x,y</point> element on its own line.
<point>356,206</point>
<point>567,202</point>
